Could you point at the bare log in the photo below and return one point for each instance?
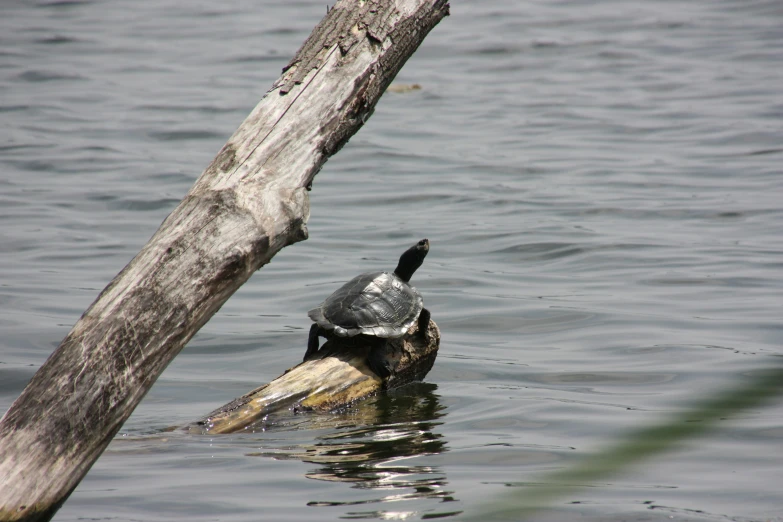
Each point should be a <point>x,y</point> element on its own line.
<point>249,203</point>
<point>333,378</point>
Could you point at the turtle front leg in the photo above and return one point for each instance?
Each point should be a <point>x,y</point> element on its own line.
<point>424,325</point>
<point>312,341</point>
<point>377,359</point>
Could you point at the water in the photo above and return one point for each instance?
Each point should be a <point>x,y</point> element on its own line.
<point>601,185</point>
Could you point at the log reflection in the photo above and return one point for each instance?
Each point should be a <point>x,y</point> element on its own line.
<point>371,447</point>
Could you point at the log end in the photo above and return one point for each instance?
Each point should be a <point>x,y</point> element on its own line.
<point>409,357</point>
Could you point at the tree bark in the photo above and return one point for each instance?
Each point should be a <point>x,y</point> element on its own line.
<point>249,203</point>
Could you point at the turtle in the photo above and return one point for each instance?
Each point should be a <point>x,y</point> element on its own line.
<point>377,305</point>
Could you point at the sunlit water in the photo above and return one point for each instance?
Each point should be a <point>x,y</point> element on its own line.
<point>601,185</point>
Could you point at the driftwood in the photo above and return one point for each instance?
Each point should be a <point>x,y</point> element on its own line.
<point>332,378</point>
<point>249,203</point>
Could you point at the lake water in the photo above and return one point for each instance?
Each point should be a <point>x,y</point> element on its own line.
<point>601,185</point>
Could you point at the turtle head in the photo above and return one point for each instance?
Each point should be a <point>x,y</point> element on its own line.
<point>412,259</point>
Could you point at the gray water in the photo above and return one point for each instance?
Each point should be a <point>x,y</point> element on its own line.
<point>602,189</point>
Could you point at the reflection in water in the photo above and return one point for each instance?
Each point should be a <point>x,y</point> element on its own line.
<point>370,447</point>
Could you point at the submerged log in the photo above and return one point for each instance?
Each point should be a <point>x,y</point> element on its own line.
<point>332,378</point>
<point>249,203</point>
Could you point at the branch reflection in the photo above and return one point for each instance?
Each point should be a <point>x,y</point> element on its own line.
<point>371,446</point>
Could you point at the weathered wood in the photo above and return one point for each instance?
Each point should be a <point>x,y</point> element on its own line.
<point>249,203</point>
<point>334,377</point>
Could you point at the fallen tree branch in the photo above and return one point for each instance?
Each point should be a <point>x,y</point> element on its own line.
<point>333,378</point>
<point>249,203</point>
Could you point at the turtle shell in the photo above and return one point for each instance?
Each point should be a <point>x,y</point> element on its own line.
<point>376,303</point>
